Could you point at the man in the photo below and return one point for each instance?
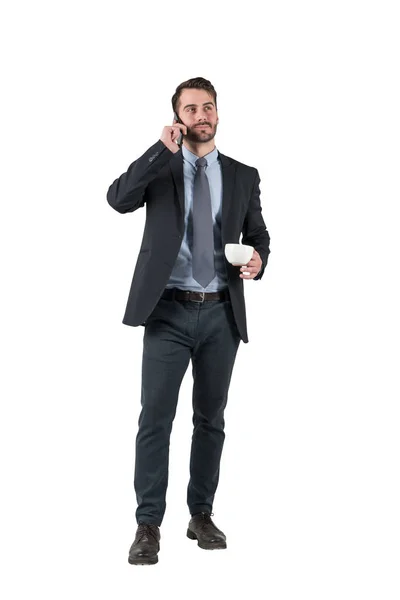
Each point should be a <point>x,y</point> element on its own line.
<point>189,299</point>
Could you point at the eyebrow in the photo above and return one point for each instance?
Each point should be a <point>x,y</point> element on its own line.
<point>204,104</point>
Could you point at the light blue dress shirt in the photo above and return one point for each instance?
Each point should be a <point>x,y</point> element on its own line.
<point>182,274</point>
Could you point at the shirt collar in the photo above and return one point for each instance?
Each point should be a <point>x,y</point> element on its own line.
<point>190,157</point>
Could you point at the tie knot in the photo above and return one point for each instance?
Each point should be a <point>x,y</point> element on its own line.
<point>201,162</point>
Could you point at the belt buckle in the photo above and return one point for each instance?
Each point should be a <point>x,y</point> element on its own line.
<point>202,300</point>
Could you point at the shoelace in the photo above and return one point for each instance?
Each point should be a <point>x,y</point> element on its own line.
<point>207,518</point>
<point>145,529</point>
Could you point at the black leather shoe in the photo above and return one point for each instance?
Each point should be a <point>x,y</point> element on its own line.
<point>146,545</point>
<point>202,529</point>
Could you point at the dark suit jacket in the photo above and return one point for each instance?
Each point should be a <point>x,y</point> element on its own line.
<point>156,179</point>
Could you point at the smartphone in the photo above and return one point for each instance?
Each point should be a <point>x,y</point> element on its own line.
<point>179,140</point>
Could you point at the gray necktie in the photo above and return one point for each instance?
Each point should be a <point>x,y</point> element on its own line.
<point>203,233</point>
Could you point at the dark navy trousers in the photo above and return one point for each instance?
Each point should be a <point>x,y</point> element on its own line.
<point>175,332</point>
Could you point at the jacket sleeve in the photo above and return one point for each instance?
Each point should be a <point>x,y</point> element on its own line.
<point>254,230</point>
<point>127,193</point>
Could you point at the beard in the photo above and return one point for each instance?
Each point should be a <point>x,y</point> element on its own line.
<point>199,135</point>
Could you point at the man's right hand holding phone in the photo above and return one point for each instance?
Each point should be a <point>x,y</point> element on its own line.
<point>171,133</point>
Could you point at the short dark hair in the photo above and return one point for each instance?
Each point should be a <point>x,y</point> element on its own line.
<point>198,83</point>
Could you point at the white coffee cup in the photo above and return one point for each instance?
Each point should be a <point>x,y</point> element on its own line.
<point>238,254</point>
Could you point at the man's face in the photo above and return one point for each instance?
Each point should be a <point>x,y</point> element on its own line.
<point>197,111</point>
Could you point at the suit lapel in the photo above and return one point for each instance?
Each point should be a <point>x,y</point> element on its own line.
<point>176,165</point>
<point>227,172</point>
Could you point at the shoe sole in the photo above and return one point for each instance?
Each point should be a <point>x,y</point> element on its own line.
<point>146,560</point>
<point>204,545</point>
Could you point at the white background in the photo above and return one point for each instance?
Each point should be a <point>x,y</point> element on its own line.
<point>308,93</point>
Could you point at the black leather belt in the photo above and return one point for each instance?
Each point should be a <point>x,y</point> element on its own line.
<point>183,295</point>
